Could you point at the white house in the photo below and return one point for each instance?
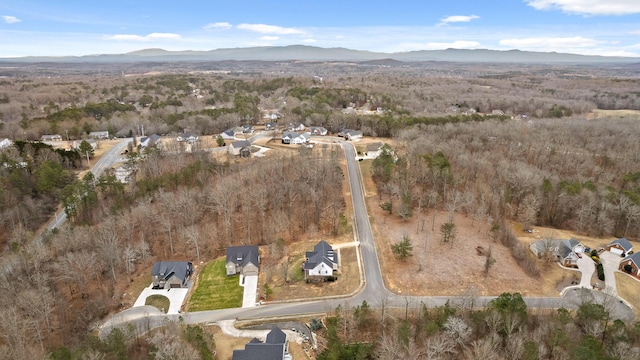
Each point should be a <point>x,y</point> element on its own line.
<point>290,137</point>
<point>190,138</point>
<point>317,130</point>
<point>353,135</point>
<point>51,138</point>
<point>228,134</point>
<point>99,134</point>
<point>321,262</point>
<point>240,148</point>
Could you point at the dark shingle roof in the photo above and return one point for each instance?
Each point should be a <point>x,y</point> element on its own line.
<point>165,269</point>
<point>624,243</point>
<point>271,349</point>
<point>245,254</point>
<point>322,253</point>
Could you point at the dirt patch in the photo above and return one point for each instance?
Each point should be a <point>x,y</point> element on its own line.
<point>225,345</point>
<point>608,114</point>
<point>295,287</point>
<point>439,268</point>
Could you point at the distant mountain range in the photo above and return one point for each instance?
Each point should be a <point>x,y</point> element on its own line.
<point>313,53</point>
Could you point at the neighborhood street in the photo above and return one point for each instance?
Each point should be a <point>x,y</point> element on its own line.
<point>373,291</point>
<point>105,162</point>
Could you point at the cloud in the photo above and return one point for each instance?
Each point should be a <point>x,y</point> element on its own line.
<point>459,44</point>
<point>10,19</point>
<point>217,25</point>
<point>269,38</point>
<point>270,29</point>
<point>550,43</point>
<point>309,41</point>
<point>152,36</point>
<point>458,18</point>
<point>588,7</point>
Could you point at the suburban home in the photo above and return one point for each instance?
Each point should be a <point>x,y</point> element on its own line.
<point>274,347</point>
<point>497,112</point>
<point>373,150</point>
<point>228,135</point>
<point>620,246</point>
<point>270,126</point>
<point>51,138</point>
<point>242,260</point>
<point>290,137</point>
<point>149,141</point>
<point>99,134</point>
<point>317,130</point>
<point>321,263</point>
<point>5,143</point>
<point>353,135</point>
<point>631,265</point>
<point>242,148</point>
<point>247,129</point>
<point>563,251</point>
<point>272,116</point>
<point>171,274</point>
<point>296,127</point>
<point>190,138</point>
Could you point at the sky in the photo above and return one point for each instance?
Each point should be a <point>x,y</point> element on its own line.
<point>88,27</point>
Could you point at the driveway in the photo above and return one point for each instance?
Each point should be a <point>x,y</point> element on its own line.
<point>610,262</point>
<point>176,297</point>
<point>249,296</point>
<point>586,267</point>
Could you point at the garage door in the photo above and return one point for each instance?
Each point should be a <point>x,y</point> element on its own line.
<point>616,251</point>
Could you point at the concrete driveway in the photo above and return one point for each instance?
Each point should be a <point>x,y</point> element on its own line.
<point>586,267</point>
<point>610,263</point>
<point>176,297</point>
<point>249,296</point>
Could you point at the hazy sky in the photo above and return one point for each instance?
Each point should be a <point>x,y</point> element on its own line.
<point>77,27</point>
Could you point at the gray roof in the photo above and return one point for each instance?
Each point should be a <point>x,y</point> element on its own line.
<point>166,269</point>
<point>322,253</point>
<point>243,255</point>
<point>558,247</point>
<point>271,349</point>
<point>240,144</point>
<point>635,257</point>
<point>374,147</point>
<point>624,243</point>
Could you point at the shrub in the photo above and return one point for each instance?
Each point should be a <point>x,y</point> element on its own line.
<point>600,270</point>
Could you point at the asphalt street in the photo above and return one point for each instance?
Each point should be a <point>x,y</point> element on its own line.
<point>373,291</point>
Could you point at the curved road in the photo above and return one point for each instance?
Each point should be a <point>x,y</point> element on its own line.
<point>105,162</point>
<point>373,291</point>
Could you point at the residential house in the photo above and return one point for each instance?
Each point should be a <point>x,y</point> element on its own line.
<point>171,274</point>
<point>99,135</point>
<point>290,137</point>
<point>296,127</point>
<point>274,347</point>
<point>373,150</point>
<point>631,265</point>
<point>242,260</point>
<point>150,140</point>
<point>242,148</point>
<point>321,263</point>
<point>270,126</point>
<point>353,135</point>
<point>228,135</point>
<point>247,129</point>
<point>45,138</point>
<point>318,130</point>
<point>272,116</point>
<point>563,251</point>
<point>497,112</point>
<point>187,137</point>
<point>620,246</point>
<point>5,143</point>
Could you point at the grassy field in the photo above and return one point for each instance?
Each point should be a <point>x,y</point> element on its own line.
<point>215,290</point>
<point>160,302</point>
<point>629,289</point>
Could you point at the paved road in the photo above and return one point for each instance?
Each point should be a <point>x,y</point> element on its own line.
<point>105,162</point>
<point>373,291</point>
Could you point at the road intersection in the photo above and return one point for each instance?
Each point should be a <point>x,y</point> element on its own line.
<point>373,289</point>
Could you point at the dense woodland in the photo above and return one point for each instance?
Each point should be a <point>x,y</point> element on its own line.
<point>540,160</point>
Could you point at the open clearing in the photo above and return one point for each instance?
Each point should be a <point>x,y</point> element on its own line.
<point>449,269</point>
<point>214,289</point>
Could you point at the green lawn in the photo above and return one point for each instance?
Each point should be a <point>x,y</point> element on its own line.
<point>216,290</point>
<point>161,302</point>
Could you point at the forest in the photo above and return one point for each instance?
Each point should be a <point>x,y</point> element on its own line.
<point>519,143</point>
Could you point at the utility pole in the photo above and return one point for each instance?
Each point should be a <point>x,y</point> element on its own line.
<point>88,162</point>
